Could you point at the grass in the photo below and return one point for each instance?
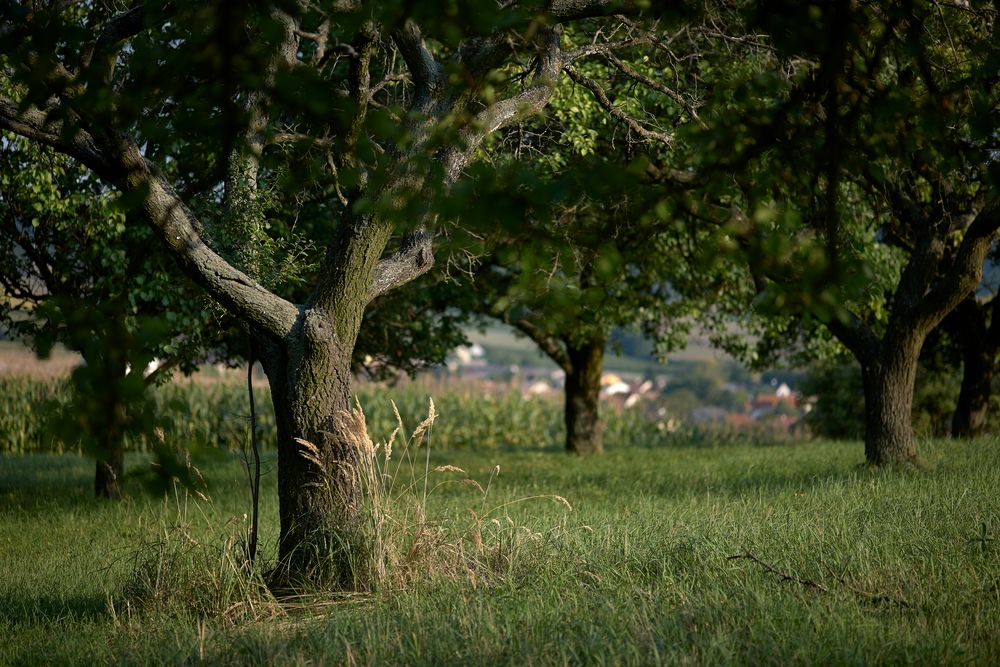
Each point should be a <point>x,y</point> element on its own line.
<point>681,555</point>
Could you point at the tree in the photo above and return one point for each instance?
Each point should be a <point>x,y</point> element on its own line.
<point>591,257</point>
<point>566,281</point>
<point>975,325</point>
<point>873,128</point>
<point>75,273</point>
<point>262,102</point>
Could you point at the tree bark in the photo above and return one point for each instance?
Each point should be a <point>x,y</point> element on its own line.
<point>583,392</point>
<point>979,350</point>
<point>321,539</point>
<point>888,385</point>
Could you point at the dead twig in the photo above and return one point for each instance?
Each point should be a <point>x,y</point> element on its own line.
<point>868,598</point>
<point>784,576</point>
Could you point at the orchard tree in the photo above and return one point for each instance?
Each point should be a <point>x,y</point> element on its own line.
<point>970,337</point>
<point>977,326</point>
<point>384,105</point>
<point>887,127</point>
<point>591,256</point>
<point>570,274</point>
<point>75,273</point>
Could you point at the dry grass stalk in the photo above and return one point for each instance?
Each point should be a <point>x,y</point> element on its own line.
<point>398,543</point>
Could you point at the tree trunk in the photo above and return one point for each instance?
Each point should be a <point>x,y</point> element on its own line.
<point>888,385</point>
<point>583,390</point>
<point>322,542</point>
<point>110,468</point>
<point>111,418</point>
<point>979,350</point>
<point>969,419</point>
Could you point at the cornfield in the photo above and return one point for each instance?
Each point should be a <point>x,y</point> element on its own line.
<point>215,415</point>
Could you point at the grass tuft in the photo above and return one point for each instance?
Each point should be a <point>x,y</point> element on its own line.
<point>182,572</point>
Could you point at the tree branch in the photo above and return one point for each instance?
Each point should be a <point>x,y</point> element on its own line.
<point>126,25</point>
<point>573,10</point>
<point>359,79</point>
<point>177,227</point>
<point>965,272</point>
<point>508,111</point>
<point>784,576</point>
<point>414,258</point>
<point>426,70</point>
<point>547,343</point>
<point>602,98</point>
<point>855,335</point>
<point>636,75</point>
<point>35,125</point>
<point>665,174</point>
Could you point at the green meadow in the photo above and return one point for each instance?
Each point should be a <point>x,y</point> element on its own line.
<point>660,551</point>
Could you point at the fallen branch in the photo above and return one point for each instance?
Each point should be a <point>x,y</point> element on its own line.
<point>877,600</point>
<point>784,576</point>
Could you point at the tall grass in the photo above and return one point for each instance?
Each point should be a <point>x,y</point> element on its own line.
<point>21,427</point>
<point>213,414</point>
<point>396,543</point>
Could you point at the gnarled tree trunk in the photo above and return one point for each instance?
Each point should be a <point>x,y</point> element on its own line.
<point>320,539</point>
<point>929,289</point>
<point>582,397</point>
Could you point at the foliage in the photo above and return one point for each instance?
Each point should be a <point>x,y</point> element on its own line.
<point>834,138</point>
<point>67,247</point>
<point>860,188</point>
<point>76,271</point>
<point>594,248</point>
<point>410,329</point>
<point>839,412</point>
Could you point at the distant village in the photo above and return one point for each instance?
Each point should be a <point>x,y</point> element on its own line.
<point>756,402</point>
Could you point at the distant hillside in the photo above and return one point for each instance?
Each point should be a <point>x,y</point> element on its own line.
<point>504,347</point>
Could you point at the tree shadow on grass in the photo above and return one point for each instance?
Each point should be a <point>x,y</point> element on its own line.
<point>28,608</point>
<point>35,483</point>
<point>28,469</point>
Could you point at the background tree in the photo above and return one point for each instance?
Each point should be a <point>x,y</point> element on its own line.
<point>567,278</point>
<point>874,124</point>
<point>76,274</point>
<point>590,256</point>
<point>974,328</point>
